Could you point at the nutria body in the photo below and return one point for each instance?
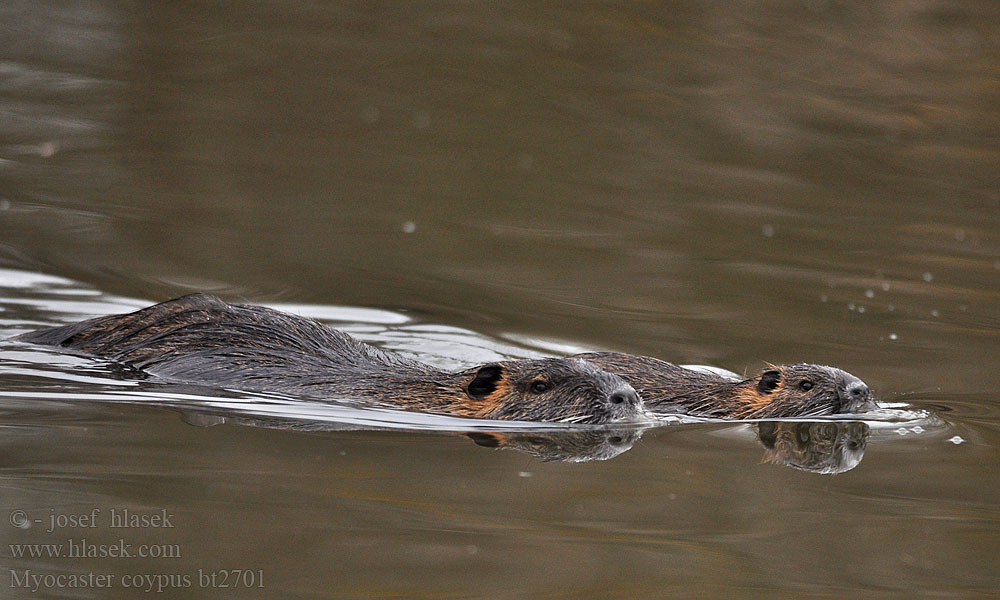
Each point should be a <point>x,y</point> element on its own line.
<point>801,390</point>
<point>201,339</point>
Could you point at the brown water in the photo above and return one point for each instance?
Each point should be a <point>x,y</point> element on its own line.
<point>712,183</point>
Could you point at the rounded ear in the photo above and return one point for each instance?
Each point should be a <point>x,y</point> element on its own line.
<point>768,381</point>
<point>485,381</point>
<point>482,438</point>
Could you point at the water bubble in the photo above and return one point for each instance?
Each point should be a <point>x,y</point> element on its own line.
<point>824,298</point>
<point>47,149</point>
<point>869,293</point>
<point>956,440</point>
<point>935,313</point>
<point>421,120</point>
<point>893,336</point>
<point>560,40</point>
<point>861,309</point>
<point>524,473</point>
<point>767,230</point>
<point>370,114</point>
<point>928,277</point>
<point>885,286</point>
<point>409,227</point>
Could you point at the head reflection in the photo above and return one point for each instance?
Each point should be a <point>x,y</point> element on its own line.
<point>563,445</point>
<point>825,447</point>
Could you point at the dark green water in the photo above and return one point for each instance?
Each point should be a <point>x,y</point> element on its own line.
<point>709,183</point>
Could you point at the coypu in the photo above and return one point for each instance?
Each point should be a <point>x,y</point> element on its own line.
<point>800,390</point>
<point>201,339</point>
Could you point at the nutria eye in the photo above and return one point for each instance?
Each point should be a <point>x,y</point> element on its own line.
<point>806,385</point>
<point>540,387</point>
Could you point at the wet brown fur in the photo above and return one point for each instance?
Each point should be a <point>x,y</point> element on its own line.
<point>201,339</point>
<point>778,391</point>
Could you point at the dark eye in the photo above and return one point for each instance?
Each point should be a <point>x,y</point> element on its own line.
<point>805,385</point>
<point>540,387</point>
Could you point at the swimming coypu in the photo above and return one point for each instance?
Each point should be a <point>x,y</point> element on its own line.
<point>801,390</point>
<point>201,339</point>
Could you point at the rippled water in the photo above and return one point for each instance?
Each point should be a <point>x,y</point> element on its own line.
<point>707,183</point>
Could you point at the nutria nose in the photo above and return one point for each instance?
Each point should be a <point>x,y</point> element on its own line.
<point>856,396</point>
<point>624,397</point>
<point>858,391</point>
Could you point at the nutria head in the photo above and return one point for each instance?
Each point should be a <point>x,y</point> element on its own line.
<point>802,390</point>
<point>563,390</point>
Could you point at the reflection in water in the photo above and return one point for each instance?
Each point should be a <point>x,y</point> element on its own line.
<point>551,445</point>
<point>819,447</point>
<point>563,446</point>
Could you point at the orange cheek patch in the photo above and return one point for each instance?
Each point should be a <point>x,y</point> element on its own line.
<point>749,400</point>
<point>495,401</point>
<point>465,406</point>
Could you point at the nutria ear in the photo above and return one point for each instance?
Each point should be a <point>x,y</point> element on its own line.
<point>489,440</point>
<point>768,381</point>
<point>486,380</point>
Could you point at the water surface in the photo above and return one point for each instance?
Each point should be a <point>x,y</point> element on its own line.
<point>711,184</point>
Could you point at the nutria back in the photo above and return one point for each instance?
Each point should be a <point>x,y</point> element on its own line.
<point>158,337</point>
<point>201,339</point>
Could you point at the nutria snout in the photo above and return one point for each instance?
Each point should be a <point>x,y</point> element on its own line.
<point>855,397</point>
